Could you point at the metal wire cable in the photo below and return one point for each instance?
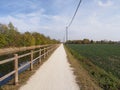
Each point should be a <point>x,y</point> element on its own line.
<point>74,14</point>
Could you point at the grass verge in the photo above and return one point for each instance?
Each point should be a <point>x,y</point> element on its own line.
<point>98,76</point>
<point>82,76</point>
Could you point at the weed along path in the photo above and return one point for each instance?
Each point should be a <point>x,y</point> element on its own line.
<point>54,74</point>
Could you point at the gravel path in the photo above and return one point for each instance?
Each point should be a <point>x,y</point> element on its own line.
<point>54,74</point>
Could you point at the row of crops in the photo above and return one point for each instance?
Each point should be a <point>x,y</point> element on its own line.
<point>104,56</point>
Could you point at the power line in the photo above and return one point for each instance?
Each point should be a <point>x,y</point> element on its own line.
<point>72,19</point>
<point>74,13</point>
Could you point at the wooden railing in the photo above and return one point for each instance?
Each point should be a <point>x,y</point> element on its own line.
<point>14,49</point>
<point>43,51</point>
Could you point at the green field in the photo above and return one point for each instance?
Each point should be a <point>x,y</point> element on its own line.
<point>104,57</point>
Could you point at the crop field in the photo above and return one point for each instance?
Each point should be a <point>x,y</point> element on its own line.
<point>104,56</point>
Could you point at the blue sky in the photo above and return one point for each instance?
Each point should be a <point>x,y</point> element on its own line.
<point>96,19</point>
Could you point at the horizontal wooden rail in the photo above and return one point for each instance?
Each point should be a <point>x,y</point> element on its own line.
<point>24,55</point>
<point>7,60</point>
<point>28,63</point>
<point>43,53</point>
<point>36,58</point>
<point>15,49</point>
<point>7,75</point>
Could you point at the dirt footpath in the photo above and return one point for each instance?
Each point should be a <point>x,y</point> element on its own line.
<point>54,74</point>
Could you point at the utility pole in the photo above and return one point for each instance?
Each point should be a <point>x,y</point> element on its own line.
<point>72,19</point>
<point>66,34</point>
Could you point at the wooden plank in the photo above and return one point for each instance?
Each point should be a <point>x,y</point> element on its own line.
<point>24,55</point>
<point>36,51</point>
<point>31,61</point>
<point>7,75</point>
<point>40,52</point>
<point>7,60</point>
<point>46,50</point>
<point>13,50</point>
<point>23,65</point>
<point>36,58</point>
<point>42,55</point>
<point>16,69</point>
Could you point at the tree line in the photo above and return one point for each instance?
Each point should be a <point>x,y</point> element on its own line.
<point>87,41</point>
<point>11,37</point>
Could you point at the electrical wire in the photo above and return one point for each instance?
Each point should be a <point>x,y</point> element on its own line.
<point>74,14</point>
<point>72,19</point>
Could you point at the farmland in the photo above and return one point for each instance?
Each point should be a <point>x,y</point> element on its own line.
<point>102,61</point>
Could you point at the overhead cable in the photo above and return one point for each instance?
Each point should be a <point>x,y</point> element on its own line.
<point>74,14</point>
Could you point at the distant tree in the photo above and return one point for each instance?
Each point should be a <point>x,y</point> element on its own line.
<point>13,36</point>
<point>91,41</point>
<point>86,41</point>
<point>3,29</point>
<point>3,42</point>
<point>10,37</point>
<point>10,26</point>
<point>37,37</point>
<point>28,39</point>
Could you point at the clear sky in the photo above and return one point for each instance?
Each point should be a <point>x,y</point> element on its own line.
<point>96,19</point>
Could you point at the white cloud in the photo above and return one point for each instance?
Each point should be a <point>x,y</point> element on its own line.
<point>24,22</point>
<point>94,20</point>
<point>108,3</point>
<point>93,23</point>
<point>50,25</point>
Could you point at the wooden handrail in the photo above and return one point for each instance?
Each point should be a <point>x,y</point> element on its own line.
<point>46,50</point>
<point>7,75</point>
<point>24,55</point>
<point>7,60</point>
<point>15,49</point>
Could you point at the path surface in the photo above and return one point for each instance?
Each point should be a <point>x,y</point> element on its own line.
<point>54,74</point>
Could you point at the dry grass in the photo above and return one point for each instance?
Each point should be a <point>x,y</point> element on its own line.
<point>82,77</point>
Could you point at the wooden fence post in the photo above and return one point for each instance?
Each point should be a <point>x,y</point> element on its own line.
<point>16,68</point>
<point>40,56</point>
<point>47,51</point>
<point>31,61</point>
<point>44,52</point>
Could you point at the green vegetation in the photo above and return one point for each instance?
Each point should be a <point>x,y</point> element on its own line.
<point>102,61</point>
<point>84,80</point>
<point>87,41</point>
<point>10,37</point>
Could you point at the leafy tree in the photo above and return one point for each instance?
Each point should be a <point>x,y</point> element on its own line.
<point>10,26</point>
<point>13,35</point>
<point>10,37</point>
<point>3,29</point>
<point>28,39</point>
<point>86,41</point>
<point>38,38</point>
<point>3,42</point>
<point>91,41</point>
